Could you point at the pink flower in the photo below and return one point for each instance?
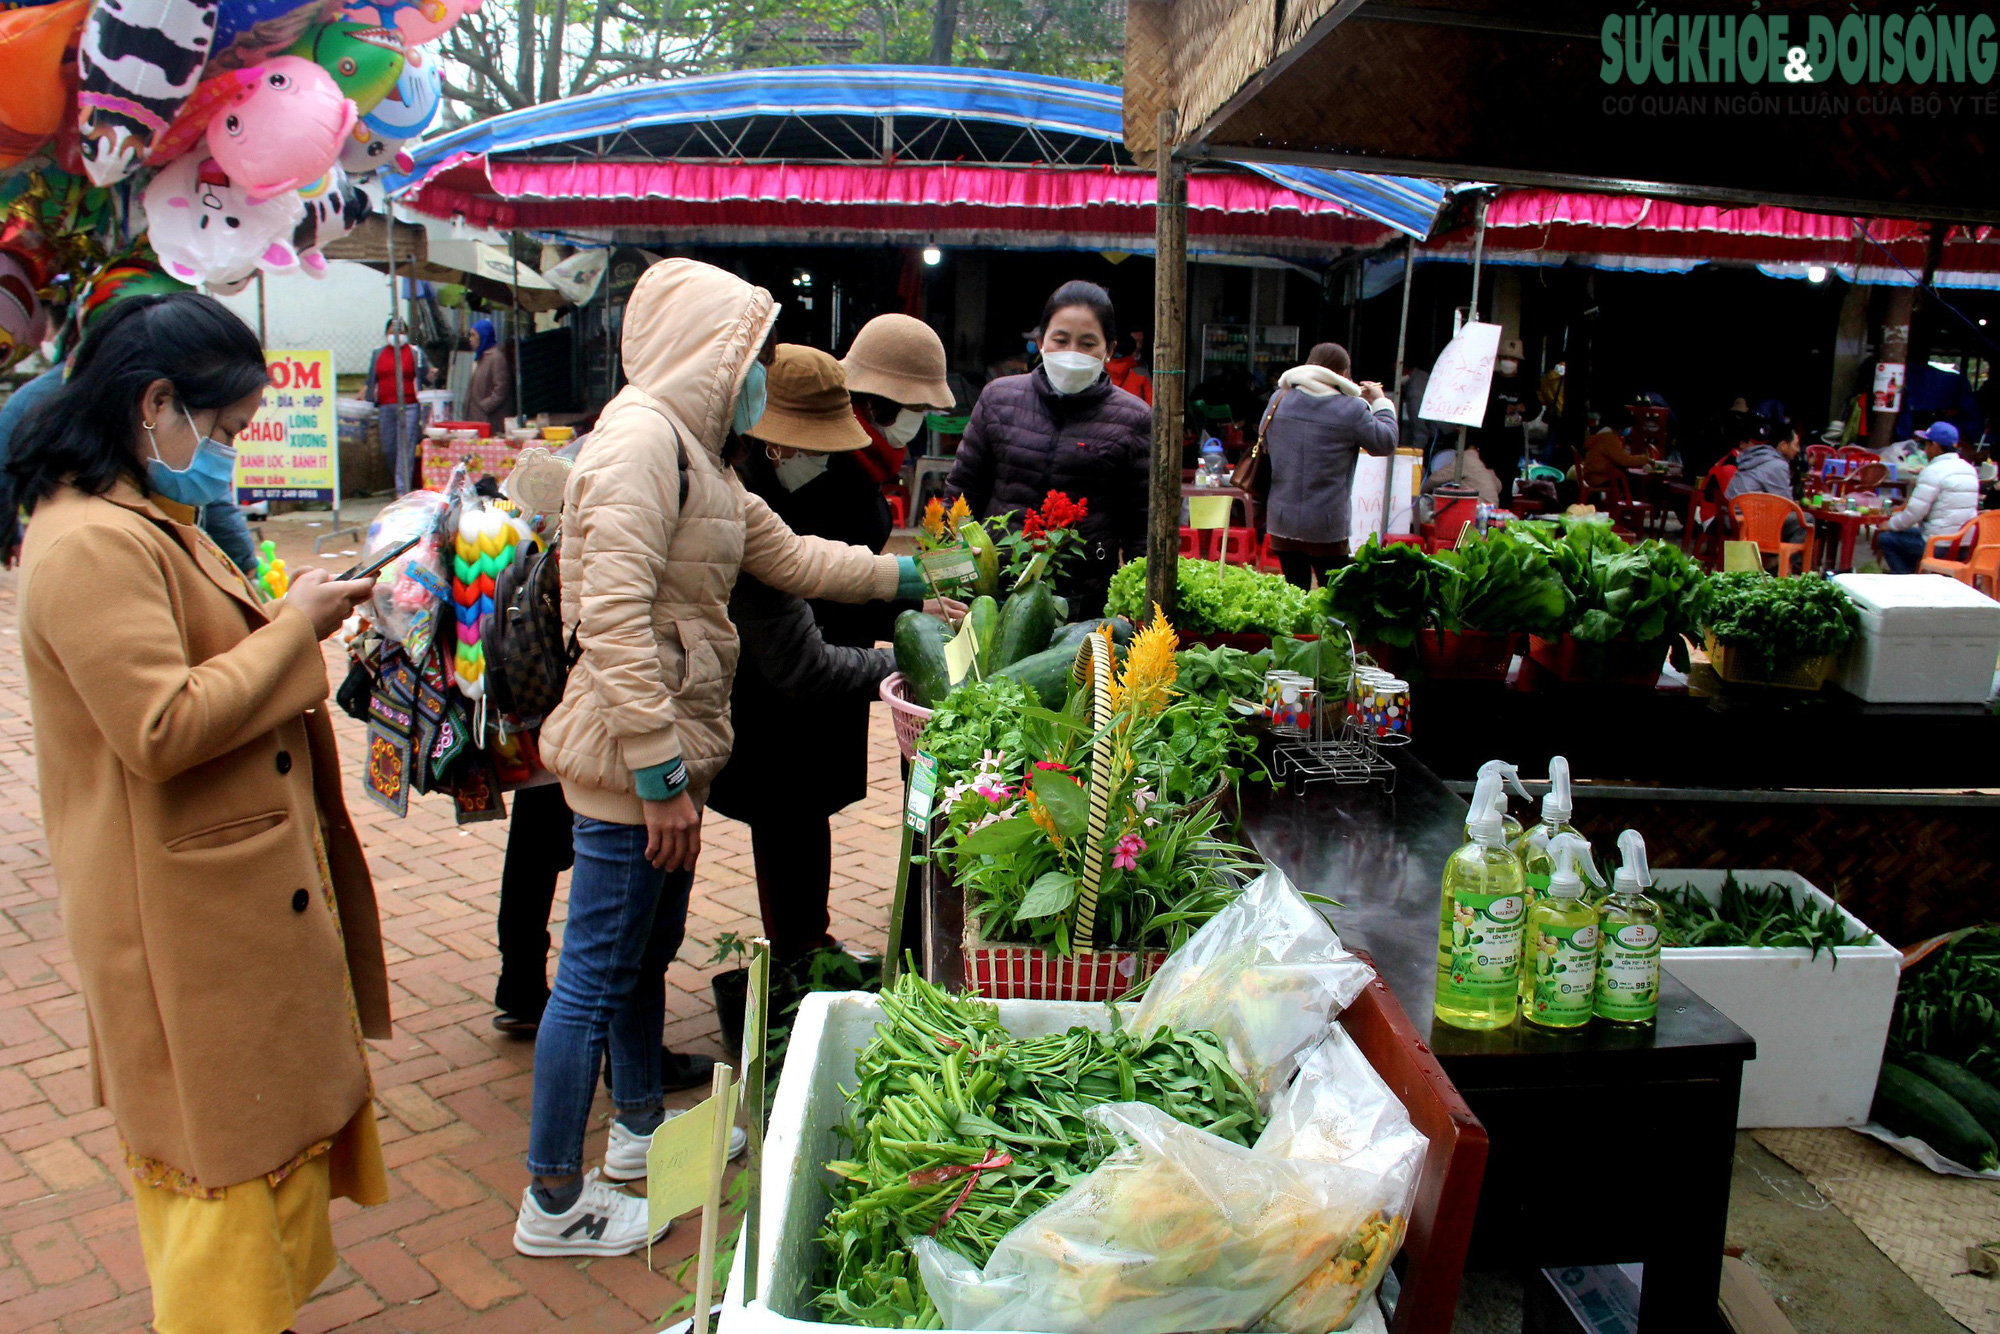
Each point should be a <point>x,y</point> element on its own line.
<point>1046,765</point>
<point>995,795</point>
<point>1125,857</point>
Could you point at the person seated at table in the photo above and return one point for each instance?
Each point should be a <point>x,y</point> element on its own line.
<point>1944,500</point>
<point>1605,459</point>
<point>1476,475</point>
<point>1764,463</point>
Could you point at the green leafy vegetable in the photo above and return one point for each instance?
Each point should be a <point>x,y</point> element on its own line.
<point>1645,593</point>
<point>1762,917</point>
<point>1949,1004</point>
<point>1387,594</point>
<point>1220,673</point>
<point>1215,599</point>
<point>978,717</point>
<point>1773,622</point>
<point>1505,585</point>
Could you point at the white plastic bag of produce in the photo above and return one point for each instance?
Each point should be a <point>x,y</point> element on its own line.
<point>1267,975</point>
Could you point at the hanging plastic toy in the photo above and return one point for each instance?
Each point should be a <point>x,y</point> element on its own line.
<point>364,61</point>
<point>205,229</point>
<point>137,62</point>
<point>284,131</point>
<point>335,206</point>
<point>486,542</point>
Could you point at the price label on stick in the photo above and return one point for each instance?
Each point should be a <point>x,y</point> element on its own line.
<point>677,1160</point>
<point>923,786</point>
<point>1209,511</point>
<point>959,652</point>
<point>948,565</point>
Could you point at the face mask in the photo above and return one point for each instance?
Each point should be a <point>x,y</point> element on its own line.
<point>1072,372</point>
<point>903,430</point>
<point>796,471</point>
<point>1508,365</point>
<point>205,480</point>
<point>750,402</point>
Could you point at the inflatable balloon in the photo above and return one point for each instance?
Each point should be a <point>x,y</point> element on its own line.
<point>410,106</point>
<point>246,31</point>
<point>335,206</point>
<point>418,22</point>
<point>365,61</point>
<point>33,96</point>
<point>366,151</point>
<point>206,229</point>
<point>22,320</point>
<point>137,62</point>
<point>283,131</point>
<point>191,124</point>
<point>118,281</point>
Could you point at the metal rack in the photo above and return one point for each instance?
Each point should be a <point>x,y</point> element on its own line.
<point>1346,753</point>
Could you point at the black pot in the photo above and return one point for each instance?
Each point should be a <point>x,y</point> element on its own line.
<point>731,990</point>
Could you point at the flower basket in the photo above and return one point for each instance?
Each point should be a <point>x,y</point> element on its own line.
<point>908,718</point>
<point>1620,662</point>
<point>1469,655</point>
<point>1793,674</point>
<point>1000,971</point>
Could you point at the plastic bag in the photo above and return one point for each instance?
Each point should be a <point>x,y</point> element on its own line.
<point>1176,1230</point>
<point>411,586</point>
<point>1266,975</point>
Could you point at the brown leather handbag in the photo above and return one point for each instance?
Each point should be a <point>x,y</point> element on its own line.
<point>1252,474</point>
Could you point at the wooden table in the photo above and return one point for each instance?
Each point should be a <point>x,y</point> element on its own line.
<point>1664,1098</point>
<point>1849,527</point>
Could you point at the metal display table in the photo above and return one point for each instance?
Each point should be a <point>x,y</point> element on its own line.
<point>1622,1139</point>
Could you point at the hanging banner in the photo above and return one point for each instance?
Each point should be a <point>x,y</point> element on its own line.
<point>291,448</point>
<point>1462,377</point>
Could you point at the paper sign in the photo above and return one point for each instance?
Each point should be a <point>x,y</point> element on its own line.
<point>1462,377</point>
<point>1742,558</point>
<point>1365,499</point>
<point>677,1159</point>
<point>923,785</point>
<point>291,448</point>
<point>959,651</point>
<point>1209,511</point>
<point>948,565</point>
<point>1888,394</point>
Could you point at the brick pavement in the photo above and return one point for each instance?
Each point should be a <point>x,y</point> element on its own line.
<point>452,1094</point>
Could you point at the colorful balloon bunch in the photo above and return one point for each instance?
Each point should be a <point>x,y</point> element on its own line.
<point>258,119</point>
<point>271,576</point>
<point>487,541</point>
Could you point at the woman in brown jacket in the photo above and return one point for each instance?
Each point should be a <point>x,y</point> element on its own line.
<point>490,398</point>
<point>213,891</point>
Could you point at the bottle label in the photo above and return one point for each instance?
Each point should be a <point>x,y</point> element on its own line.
<point>1564,962</point>
<point>1628,973</point>
<point>1483,944</point>
<point>1538,883</point>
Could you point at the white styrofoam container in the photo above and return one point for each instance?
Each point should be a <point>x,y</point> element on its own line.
<point>1925,639</point>
<point>1819,1023</point>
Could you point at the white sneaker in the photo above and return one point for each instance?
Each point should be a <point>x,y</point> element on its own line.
<point>603,1221</point>
<point>625,1152</point>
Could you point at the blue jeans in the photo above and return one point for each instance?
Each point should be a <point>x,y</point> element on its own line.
<point>626,921</point>
<point>1902,551</point>
<point>399,442</point>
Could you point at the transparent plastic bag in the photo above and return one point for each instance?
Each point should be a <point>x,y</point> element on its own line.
<point>1177,1230</point>
<point>416,581</point>
<point>1267,975</point>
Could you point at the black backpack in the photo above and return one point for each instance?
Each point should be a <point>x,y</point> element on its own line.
<point>527,656</point>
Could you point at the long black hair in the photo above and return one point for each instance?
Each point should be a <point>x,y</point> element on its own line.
<point>82,434</point>
<point>1092,298</point>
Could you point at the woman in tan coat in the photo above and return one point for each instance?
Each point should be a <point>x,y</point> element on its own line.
<point>213,891</point>
<point>655,527</point>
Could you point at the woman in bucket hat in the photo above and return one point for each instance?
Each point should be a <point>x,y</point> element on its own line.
<point>895,371</point>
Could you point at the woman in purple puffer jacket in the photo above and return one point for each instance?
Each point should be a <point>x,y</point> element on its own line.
<point>1064,427</point>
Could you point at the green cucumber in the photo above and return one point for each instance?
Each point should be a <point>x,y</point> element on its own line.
<point>1046,674</point>
<point>1911,1105</point>
<point>985,557</point>
<point>984,613</point>
<point>1122,631</point>
<point>1973,1093</point>
<point>920,638</point>
<point>1026,624</point>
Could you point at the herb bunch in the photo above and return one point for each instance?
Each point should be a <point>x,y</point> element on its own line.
<point>1760,917</point>
<point>1772,622</point>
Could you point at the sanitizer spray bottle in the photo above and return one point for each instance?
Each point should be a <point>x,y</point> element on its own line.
<point>1511,775</point>
<point>1480,920</point>
<point>1628,952</point>
<point>1533,848</point>
<point>1560,974</point>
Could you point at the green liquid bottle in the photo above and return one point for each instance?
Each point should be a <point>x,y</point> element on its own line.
<point>1532,847</point>
<point>1560,974</point>
<point>1628,950</point>
<point>1504,772</point>
<point>1480,922</point>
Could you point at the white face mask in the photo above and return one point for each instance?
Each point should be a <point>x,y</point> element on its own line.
<point>1508,365</point>
<point>1072,372</point>
<point>903,430</point>
<point>795,471</point>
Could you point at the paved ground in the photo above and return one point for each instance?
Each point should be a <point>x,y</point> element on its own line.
<point>453,1093</point>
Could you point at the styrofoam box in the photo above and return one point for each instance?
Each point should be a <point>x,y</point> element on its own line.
<point>1819,1023</point>
<point>1925,639</point>
<point>828,1034</point>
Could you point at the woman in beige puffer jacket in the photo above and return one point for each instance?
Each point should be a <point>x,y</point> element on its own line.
<point>655,529</point>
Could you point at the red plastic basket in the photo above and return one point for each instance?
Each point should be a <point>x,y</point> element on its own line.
<point>908,718</point>
<point>1472,655</point>
<point>1023,972</point>
<point>1620,662</point>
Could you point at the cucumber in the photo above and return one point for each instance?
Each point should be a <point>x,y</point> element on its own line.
<point>920,638</point>
<point>1122,631</point>
<point>984,613</point>
<point>1911,1105</point>
<point>1046,674</point>
<point>1026,624</point>
<point>985,557</point>
<point>1973,1093</point>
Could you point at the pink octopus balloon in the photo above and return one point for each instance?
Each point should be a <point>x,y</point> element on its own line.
<point>283,131</point>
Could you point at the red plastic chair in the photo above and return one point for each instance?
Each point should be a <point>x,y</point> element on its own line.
<point>897,516</point>
<point>1760,517</point>
<point>1705,505</point>
<point>1864,478</point>
<point>1816,457</point>
<point>1244,546</point>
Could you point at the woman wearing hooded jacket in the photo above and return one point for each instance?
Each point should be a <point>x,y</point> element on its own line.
<point>1313,430</point>
<point>655,530</point>
<point>490,398</point>
<point>1064,427</point>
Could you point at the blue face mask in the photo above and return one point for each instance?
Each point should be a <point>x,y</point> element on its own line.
<point>750,402</point>
<point>207,477</point>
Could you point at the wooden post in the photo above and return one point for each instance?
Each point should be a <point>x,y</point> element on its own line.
<point>1396,382</point>
<point>1163,540</point>
<point>1478,253</point>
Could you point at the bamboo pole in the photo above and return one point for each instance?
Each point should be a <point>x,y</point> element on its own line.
<point>1478,251</point>
<point>1163,544</point>
<point>1396,383</point>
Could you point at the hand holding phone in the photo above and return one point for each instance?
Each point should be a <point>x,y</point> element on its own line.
<point>381,562</point>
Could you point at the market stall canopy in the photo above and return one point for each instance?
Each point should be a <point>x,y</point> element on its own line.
<point>863,154</point>
<point>484,269</point>
<point>1496,91</point>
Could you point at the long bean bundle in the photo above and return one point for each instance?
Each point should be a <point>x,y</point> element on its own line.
<point>960,1131</point>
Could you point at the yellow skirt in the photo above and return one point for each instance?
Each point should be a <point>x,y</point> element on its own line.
<point>244,1262</point>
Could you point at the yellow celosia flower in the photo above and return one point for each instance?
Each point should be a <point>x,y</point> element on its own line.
<point>1150,669</point>
<point>960,512</point>
<point>934,519</point>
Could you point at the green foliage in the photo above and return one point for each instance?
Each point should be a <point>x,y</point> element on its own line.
<point>1772,622</point>
<point>1219,673</point>
<point>1215,599</point>
<point>977,717</point>
<point>1763,917</point>
<point>1387,594</point>
<point>1949,1004</point>
<point>1505,585</point>
<point>1645,593</point>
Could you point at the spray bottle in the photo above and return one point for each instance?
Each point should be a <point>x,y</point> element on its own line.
<point>1534,850</point>
<point>1503,771</point>
<point>1480,920</point>
<point>1628,950</point>
<point>1560,974</point>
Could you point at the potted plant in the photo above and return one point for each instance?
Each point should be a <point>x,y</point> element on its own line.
<point>1779,632</point>
<point>1631,605</point>
<point>1504,588</point>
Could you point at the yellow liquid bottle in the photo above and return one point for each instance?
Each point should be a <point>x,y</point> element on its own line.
<point>1480,923</point>
<point>1628,949</point>
<point>1532,847</point>
<point>1560,973</point>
